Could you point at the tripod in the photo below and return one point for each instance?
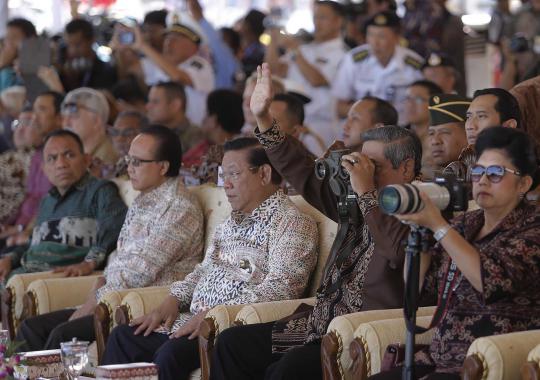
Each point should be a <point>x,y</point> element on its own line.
<point>415,243</point>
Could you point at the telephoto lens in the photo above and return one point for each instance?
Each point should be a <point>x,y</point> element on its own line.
<point>446,194</point>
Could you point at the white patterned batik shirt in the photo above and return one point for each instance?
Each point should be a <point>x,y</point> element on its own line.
<point>161,240</point>
<point>265,256</point>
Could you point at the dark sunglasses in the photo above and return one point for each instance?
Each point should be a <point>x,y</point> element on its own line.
<point>494,173</point>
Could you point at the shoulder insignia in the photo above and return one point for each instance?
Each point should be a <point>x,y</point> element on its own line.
<point>414,62</point>
<point>361,55</point>
<point>196,64</point>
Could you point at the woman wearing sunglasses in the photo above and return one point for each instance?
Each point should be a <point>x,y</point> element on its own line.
<point>489,258</point>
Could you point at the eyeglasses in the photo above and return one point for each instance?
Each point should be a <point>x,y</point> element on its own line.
<point>494,173</point>
<point>113,132</point>
<point>136,162</point>
<point>234,176</point>
<point>418,100</point>
<point>17,123</point>
<point>74,108</point>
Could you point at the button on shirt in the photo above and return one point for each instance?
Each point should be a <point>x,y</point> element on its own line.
<point>326,57</point>
<point>267,255</point>
<point>361,74</point>
<point>202,75</point>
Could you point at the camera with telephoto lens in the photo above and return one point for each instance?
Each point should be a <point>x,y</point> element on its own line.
<point>338,178</point>
<point>519,43</point>
<point>447,193</point>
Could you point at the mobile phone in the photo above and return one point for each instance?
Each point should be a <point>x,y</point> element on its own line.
<point>33,53</point>
<point>126,37</point>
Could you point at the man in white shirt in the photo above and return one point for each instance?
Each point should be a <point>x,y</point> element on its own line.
<point>380,68</point>
<point>313,66</point>
<point>179,62</point>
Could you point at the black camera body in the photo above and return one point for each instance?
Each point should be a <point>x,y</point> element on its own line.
<point>519,43</point>
<point>447,192</point>
<point>340,183</point>
<point>338,178</point>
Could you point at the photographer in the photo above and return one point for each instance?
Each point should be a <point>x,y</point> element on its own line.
<point>521,47</point>
<point>362,273</point>
<point>496,250</point>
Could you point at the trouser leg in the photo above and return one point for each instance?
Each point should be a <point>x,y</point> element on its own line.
<point>243,352</point>
<point>125,347</point>
<point>177,358</point>
<point>80,328</point>
<point>299,363</point>
<point>36,330</point>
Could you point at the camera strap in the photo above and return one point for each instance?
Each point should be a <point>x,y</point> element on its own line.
<point>445,294</point>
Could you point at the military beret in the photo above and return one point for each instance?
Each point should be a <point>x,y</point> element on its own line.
<point>438,60</point>
<point>186,31</point>
<point>447,108</point>
<point>386,18</point>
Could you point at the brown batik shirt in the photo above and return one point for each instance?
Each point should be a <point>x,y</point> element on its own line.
<point>510,300</point>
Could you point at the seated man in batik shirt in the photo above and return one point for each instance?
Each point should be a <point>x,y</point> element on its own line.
<point>78,221</point>
<point>265,251</point>
<point>161,240</point>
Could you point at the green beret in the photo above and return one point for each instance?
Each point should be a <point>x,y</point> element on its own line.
<point>448,108</point>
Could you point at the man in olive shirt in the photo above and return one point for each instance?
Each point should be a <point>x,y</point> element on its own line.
<point>167,104</point>
<point>78,221</point>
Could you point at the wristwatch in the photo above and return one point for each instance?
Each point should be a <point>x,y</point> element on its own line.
<point>439,233</point>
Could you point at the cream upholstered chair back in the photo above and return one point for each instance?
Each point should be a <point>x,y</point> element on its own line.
<point>126,191</point>
<point>216,208</point>
<point>327,233</point>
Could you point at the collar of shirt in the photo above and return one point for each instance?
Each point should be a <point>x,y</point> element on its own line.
<point>159,194</point>
<point>79,185</point>
<point>514,220</point>
<point>268,206</point>
<point>395,62</point>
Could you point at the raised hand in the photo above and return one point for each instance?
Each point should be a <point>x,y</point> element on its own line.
<point>262,94</point>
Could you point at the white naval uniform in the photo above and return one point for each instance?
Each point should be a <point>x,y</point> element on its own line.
<point>361,74</point>
<point>321,111</point>
<point>202,75</point>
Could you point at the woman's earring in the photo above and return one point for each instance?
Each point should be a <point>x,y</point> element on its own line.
<point>521,195</point>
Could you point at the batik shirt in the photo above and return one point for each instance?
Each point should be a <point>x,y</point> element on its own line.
<point>82,224</point>
<point>267,255</point>
<point>14,167</point>
<point>161,240</point>
<point>510,298</point>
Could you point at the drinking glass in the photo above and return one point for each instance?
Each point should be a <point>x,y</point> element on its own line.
<point>74,357</point>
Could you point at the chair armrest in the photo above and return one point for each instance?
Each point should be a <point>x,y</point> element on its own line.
<point>531,369</point>
<point>499,356</point>
<point>139,302</point>
<point>336,360</point>
<point>371,339</point>
<point>269,311</point>
<point>12,297</point>
<point>46,295</point>
<point>104,318</point>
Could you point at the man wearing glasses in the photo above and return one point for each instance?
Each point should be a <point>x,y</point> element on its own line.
<point>161,239</point>
<point>78,221</point>
<point>265,251</point>
<point>85,112</point>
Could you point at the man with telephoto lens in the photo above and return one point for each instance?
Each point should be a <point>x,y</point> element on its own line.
<point>363,273</point>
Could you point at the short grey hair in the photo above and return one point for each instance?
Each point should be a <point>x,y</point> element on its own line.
<point>90,98</point>
<point>400,145</point>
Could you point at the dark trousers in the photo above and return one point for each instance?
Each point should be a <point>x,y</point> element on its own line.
<point>420,371</point>
<point>245,352</point>
<point>47,331</point>
<point>176,358</point>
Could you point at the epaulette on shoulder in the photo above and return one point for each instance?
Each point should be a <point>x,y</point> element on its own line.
<point>414,62</point>
<point>360,56</point>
